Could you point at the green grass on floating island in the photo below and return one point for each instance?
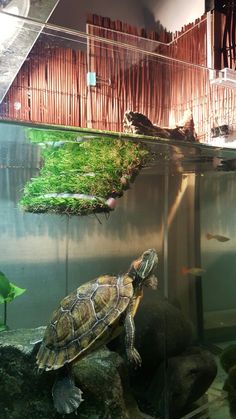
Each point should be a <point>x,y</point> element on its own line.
<point>80,172</point>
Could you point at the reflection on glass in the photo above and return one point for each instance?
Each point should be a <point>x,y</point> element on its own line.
<point>17,36</point>
<point>8,31</point>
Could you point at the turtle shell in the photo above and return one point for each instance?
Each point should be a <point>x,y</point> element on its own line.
<point>85,319</point>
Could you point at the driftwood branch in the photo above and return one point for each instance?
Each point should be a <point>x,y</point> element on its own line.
<point>137,123</point>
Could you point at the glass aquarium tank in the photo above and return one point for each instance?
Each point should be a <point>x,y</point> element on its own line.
<point>117,251</point>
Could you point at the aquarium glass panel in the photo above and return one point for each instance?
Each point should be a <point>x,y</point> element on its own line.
<point>117,232</point>
<point>19,35</point>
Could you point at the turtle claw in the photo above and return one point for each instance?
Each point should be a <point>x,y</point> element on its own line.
<point>66,396</point>
<point>134,357</point>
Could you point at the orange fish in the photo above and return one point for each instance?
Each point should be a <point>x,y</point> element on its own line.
<point>217,237</point>
<point>192,271</point>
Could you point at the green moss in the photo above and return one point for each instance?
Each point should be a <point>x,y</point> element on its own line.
<point>97,167</point>
<point>39,136</point>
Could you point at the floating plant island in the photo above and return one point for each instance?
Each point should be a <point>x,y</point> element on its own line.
<point>81,173</point>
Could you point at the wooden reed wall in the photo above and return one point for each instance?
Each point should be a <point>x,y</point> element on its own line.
<point>131,32</point>
<point>126,79</point>
<point>159,88</point>
<point>51,86</point>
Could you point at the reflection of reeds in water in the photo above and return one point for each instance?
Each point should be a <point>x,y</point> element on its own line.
<point>184,184</point>
<point>186,181</point>
<point>175,196</point>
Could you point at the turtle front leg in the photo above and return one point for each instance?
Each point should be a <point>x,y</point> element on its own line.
<point>131,352</point>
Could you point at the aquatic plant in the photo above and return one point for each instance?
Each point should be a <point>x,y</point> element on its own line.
<point>8,292</point>
<point>39,135</point>
<point>80,172</point>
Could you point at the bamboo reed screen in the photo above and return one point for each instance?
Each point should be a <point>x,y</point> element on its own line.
<point>51,86</point>
<point>159,88</point>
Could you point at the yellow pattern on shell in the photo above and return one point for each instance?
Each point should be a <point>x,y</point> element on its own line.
<point>84,320</point>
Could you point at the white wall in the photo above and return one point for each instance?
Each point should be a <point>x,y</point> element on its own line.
<point>143,13</point>
<point>173,14</point>
<point>73,13</point>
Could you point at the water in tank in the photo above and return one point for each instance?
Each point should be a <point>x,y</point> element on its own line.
<point>136,283</point>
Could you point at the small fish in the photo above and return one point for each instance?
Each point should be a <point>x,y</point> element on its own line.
<point>217,237</point>
<point>192,271</point>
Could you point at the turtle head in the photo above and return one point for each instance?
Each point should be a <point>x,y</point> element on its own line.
<point>141,269</point>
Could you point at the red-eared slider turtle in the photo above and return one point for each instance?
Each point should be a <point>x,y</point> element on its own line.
<point>89,317</point>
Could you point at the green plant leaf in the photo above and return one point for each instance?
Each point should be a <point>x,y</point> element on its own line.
<point>14,292</point>
<point>17,290</point>
<point>5,287</point>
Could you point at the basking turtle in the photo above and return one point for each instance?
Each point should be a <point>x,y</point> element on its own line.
<point>90,317</point>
